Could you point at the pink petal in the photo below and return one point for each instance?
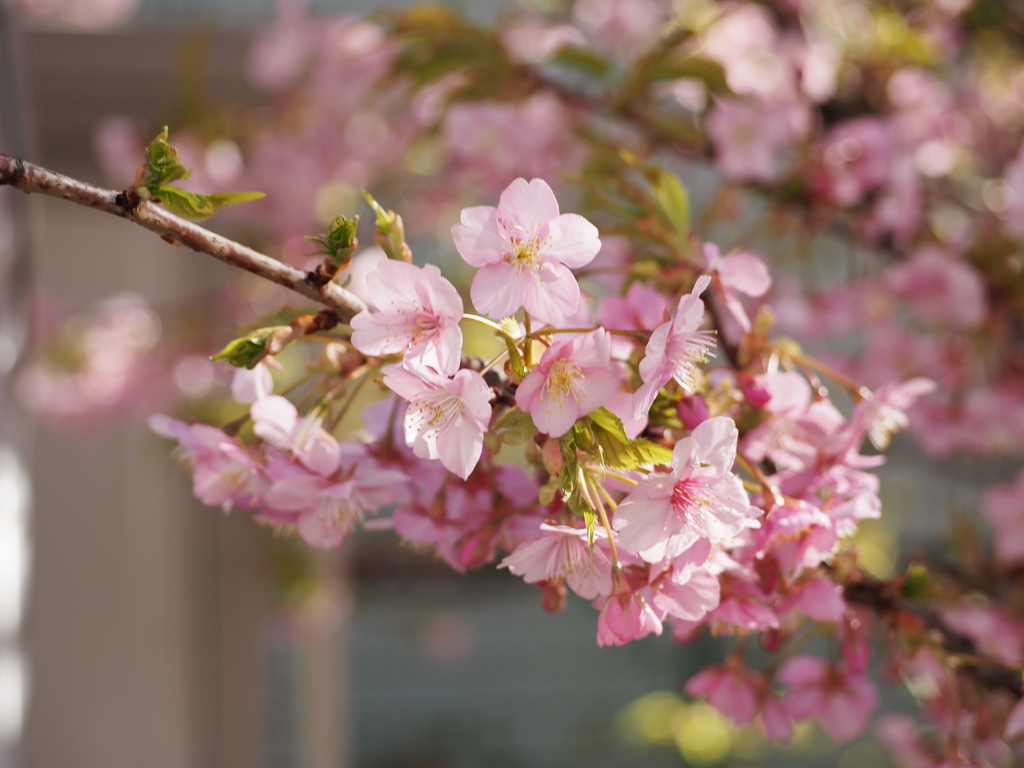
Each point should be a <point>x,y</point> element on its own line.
<point>406,383</point>
<point>294,494</point>
<point>573,241</point>
<point>477,238</point>
<point>275,419</point>
<point>321,531</point>
<point>555,418</point>
<point>777,725</point>
<point>597,386</point>
<point>459,446</point>
<point>552,293</point>
<point>745,273</point>
<point>529,205</point>
<point>716,439</point>
<point>393,282</point>
<point>499,289</point>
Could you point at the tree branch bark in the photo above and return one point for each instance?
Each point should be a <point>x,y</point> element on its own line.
<point>881,598</point>
<point>31,178</point>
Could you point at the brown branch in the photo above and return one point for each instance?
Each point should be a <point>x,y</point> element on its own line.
<point>31,178</point>
<point>884,600</point>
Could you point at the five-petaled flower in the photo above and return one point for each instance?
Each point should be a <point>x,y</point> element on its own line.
<point>419,314</point>
<point>446,418</point>
<point>573,379</point>
<point>524,250</point>
<point>700,498</point>
<point>674,349</point>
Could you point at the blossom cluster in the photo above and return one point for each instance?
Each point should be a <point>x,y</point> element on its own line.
<point>642,489</point>
<point>595,449</point>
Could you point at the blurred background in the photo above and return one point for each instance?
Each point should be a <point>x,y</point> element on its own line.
<point>158,632</point>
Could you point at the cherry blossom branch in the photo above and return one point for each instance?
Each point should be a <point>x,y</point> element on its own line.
<point>31,179</point>
<point>882,599</point>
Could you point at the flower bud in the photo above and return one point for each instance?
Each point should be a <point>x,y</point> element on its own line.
<point>390,233</point>
<point>553,595</point>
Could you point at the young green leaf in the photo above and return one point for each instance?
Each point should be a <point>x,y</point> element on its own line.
<point>390,232</point>
<point>196,206</point>
<point>674,203</point>
<point>246,351</point>
<point>162,163</point>
<point>590,518</point>
<point>340,240</point>
<point>519,371</point>
<point>617,450</point>
<point>514,427</point>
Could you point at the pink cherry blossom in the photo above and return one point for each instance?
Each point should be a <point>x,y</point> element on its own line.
<point>855,159</point>
<point>248,386</point>
<point>494,141</point>
<point>1003,508</point>
<point>841,700</point>
<point>731,274</point>
<point>277,421</point>
<point>883,413</point>
<point>641,309</point>
<point>524,249</point>
<point>820,600</point>
<point>700,498</point>
<point>419,315</point>
<point>446,418</point>
<point>224,473</point>
<point>684,593</point>
<point>327,509</point>
<point>674,349</point>
<point>944,291</point>
<point>625,617</point>
<point>798,535</point>
<point>732,689</point>
<point>563,552</point>
<point>750,137</point>
<point>740,694</point>
<point>572,380</point>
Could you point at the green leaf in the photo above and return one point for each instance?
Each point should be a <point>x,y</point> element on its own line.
<point>674,203</point>
<point>617,450</point>
<point>246,351</point>
<point>578,57</point>
<point>196,206</point>
<point>590,518</point>
<point>547,492</point>
<point>162,162</point>
<point>340,240</point>
<point>514,427</point>
<point>516,359</point>
<point>568,478</point>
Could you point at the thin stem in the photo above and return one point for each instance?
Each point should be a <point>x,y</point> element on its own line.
<point>771,493</point>
<point>597,506</point>
<point>494,362</point>
<point>360,383</point>
<point>490,324</point>
<point>299,382</point>
<point>620,476</point>
<point>527,346</point>
<point>859,391</point>
<point>31,178</point>
<point>607,497</point>
<point>547,330</point>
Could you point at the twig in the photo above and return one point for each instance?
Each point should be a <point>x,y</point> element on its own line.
<point>883,600</point>
<point>31,178</point>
